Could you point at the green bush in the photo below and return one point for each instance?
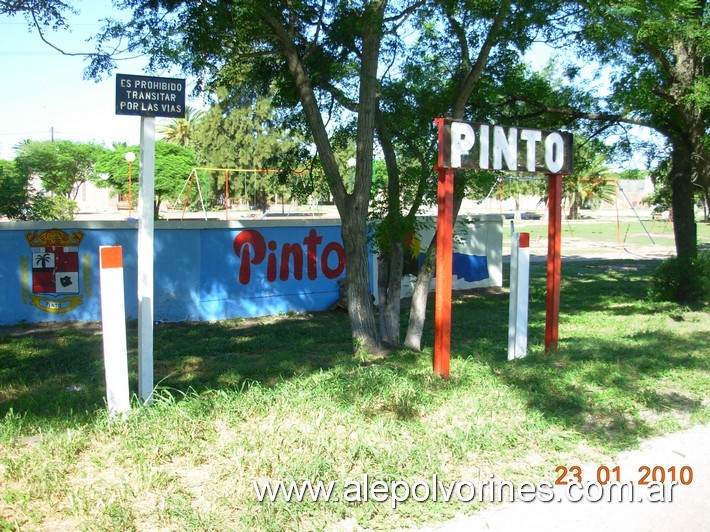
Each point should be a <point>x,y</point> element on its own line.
<point>666,281</point>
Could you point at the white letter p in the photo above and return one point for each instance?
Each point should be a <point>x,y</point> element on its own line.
<point>462,140</point>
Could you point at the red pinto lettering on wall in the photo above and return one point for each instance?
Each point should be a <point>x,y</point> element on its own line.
<point>251,248</point>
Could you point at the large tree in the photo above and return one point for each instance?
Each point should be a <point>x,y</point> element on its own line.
<point>242,130</point>
<point>292,46</point>
<point>21,199</point>
<point>658,52</point>
<point>467,55</point>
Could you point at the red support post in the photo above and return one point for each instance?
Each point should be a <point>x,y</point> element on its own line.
<point>554,261</point>
<point>444,269</point>
<point>444,261</point>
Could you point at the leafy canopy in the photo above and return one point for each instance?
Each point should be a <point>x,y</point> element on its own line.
<point>62,166</point>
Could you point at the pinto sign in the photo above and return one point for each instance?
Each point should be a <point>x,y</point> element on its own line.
<point>474,146</point>
<point>252,248</point>
<point>477,146</point>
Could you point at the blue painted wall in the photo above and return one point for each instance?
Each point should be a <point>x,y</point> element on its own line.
<point>197,270</point>
<point>203,270</point>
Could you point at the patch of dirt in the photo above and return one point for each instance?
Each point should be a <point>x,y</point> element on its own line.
<point>49,330</point>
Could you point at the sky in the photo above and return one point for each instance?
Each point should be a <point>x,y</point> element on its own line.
<point>43,92</point>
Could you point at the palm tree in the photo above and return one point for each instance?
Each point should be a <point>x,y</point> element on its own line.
<point>590,182</point>
<point>179,130</point>
<point>18,147</point>
<point>42,260</point>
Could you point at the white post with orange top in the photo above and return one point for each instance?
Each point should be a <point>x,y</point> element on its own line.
<point>113,319</point>
<point>519,291</point>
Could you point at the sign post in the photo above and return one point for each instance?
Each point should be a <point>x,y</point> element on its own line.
<point>147,97</point>
<point>554,261</point>
<point>444,263</point>
<point>469,145</point>
<point>146,197</point>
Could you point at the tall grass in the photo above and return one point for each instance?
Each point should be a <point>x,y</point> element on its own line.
<point>283,399</point>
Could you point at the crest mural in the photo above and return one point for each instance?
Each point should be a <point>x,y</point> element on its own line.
<point>55,277</point>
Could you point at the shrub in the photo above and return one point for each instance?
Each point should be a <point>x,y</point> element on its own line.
<point>666,281</point>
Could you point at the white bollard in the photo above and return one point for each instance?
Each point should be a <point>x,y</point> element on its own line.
<point>519,290</point>
<point>113,318</point>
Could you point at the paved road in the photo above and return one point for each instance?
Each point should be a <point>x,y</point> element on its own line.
<point>688,511</point>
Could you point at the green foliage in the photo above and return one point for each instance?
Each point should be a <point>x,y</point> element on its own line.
<point>695,276</point>
<point>243,133</point>
<point>590,183</point>
<point>173,164</point>
<point>114,169</point>
<point>662,197</point>
<point>634,174</point>
<point>20,201</point>
<point>658,52</point>
<point>62,166</point>
<point>14,196</point>
<point>52,208</point>
<point>46,13</point>
<point>180,130</point>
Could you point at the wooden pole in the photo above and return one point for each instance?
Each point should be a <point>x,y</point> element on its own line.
<point>554,261</point>
<point>226,194</point>
<point>444,263</point>
<point>444,269</point>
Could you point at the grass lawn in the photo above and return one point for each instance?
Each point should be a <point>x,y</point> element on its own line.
<point>627,232</point>
<point>282,399</point>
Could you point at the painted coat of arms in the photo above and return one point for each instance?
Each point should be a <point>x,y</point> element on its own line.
<point>51,274</point>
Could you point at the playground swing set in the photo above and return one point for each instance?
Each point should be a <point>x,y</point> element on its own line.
<point>617,189</point>
<point>194,178</point>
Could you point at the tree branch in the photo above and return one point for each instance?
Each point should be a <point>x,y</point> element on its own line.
<point>577,114</point>
<point>469,82</point>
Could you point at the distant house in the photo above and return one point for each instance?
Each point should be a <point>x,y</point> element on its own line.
<point>635,190</point>
<point>96,200</point>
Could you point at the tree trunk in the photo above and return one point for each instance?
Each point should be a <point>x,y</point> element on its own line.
<point>465,86</point>
<point>389,292</point>
<point>417,313</point>
<point>352,207</point>
<point>361,309</point>
<point>684,226</point>
<point>354,218</point>
<point>391,260</point>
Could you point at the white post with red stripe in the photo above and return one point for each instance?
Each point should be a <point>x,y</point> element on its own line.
<point>113,318</point>
<point>519,291</point>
